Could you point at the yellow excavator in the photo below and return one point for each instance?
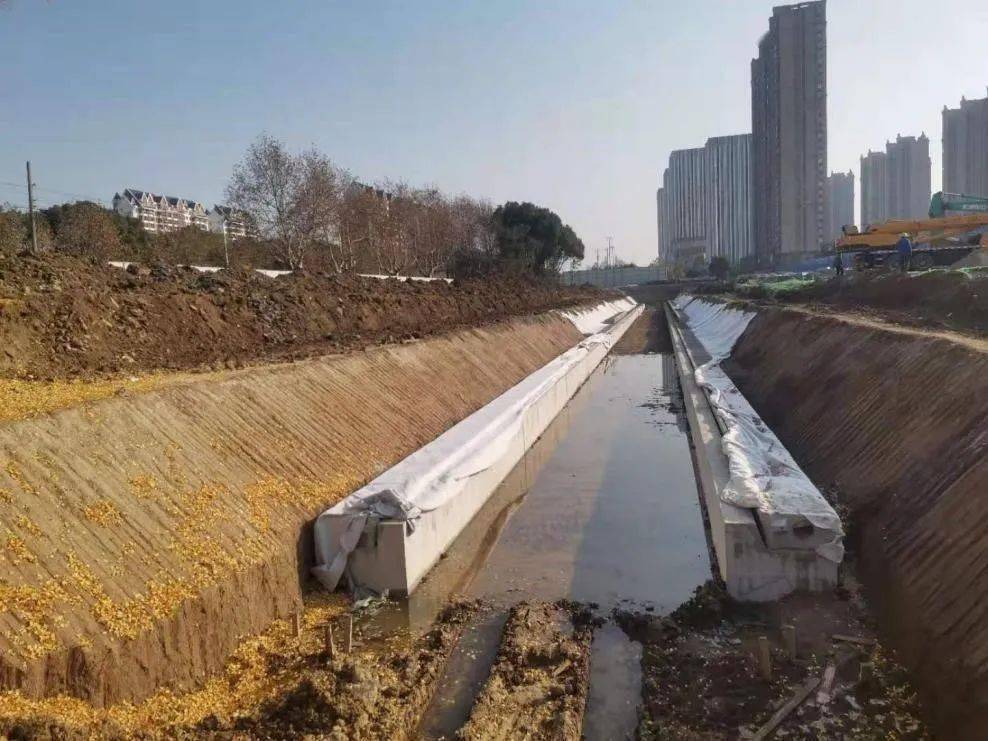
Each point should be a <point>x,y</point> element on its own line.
<point>957,226</point>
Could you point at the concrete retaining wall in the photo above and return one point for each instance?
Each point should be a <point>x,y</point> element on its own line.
<point>393,556</point>
<point>750,569</point>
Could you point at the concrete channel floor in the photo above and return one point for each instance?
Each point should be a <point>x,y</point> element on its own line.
<point>603,509</point>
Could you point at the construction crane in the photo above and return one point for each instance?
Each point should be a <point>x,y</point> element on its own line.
<point>956,204</point>
<point>956,227</point>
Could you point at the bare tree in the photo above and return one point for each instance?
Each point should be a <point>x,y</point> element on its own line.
<point>304,202</point>
<point>266,185</point>
<point>318,204</point>
<point>88,229</point>
<point>13,234</point>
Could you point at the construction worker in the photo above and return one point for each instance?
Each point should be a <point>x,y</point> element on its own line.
<point>904,250</point>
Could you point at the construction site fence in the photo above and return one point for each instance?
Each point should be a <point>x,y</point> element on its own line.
<point>612,277</point>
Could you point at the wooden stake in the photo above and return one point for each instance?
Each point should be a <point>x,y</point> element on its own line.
<point>297,624</point>
<point>789,640</point>
<point>782,713</point>
<point>764,658</point>
<point>349,634</point>
<point>865,672</point>
<point>855,640</point>
<point>824,693</point>
<point>330,644</point>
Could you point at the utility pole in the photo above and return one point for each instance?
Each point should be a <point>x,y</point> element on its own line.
<point>610,251</point>
<point>30,208</point>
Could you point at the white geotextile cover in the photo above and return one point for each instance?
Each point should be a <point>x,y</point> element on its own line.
<point>599,317</point>
<point>763,475</point>
<point>438,472</point>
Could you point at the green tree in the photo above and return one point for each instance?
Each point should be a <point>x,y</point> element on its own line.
<point>719,268</point>
<point>534,238</point>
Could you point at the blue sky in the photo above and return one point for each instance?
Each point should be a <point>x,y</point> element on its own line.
<point>574,105</point>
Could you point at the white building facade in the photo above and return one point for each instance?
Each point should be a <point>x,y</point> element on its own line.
<point>727,189</point>
<point>228,222</point>
<point>161,214</point>
<point>704,207</point>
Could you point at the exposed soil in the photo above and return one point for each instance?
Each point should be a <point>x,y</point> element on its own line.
<point>62,316</point>
<point>892,422</point>
<point>947,299</point>
<point>375,694</point>
<point>538,686</point>
<point>276,686</point>
<point>648,334</point>
<point>702,679</point>
<point>141,536</point>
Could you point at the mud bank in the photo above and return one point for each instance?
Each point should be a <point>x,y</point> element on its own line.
<point>146,535</point>
<point>703,678</point>
<point>281,684</point>
<point>893,422</point>
<point>538,686</point>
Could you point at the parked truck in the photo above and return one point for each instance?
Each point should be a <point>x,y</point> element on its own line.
<point>956,227</point>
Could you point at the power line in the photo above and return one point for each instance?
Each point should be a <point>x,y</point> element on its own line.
<point>84,196</point>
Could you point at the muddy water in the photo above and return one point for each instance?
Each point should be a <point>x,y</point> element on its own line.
<point>603,509</point>
<point>615,685</point>
<point>613,517</point>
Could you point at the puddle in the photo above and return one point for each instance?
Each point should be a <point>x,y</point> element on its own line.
<point>465,675</point>
<point>615,686</point>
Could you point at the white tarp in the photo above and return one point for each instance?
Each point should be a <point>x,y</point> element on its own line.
<point>439,471</point>
<point>763,475</point>
<point>599,317</point>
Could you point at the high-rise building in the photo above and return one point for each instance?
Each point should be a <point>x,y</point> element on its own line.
<point>685,203</point>
<point>727,188</point>
<point>789,129</point>
<point>908,175</point>
<point>895,184</point>
<point>703,208</point>
<point>965,148</point>
<point>874,189</point>
<point>660,198</point>
<point>664,219</point>
<point>840,203</point>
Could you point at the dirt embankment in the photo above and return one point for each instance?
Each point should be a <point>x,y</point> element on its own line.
<point>895,425</point>
<point>143,535</point>
<point>944,299</point>
<point>538,686</point>
<point>65,317</point>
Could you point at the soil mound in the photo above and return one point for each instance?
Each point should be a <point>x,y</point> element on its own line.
<point>62,316</point>
<point>950,299</point>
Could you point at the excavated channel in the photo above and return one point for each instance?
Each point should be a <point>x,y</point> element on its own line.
<point>602,510</point>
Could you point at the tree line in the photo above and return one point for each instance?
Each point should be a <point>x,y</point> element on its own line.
<point>306,213</point>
